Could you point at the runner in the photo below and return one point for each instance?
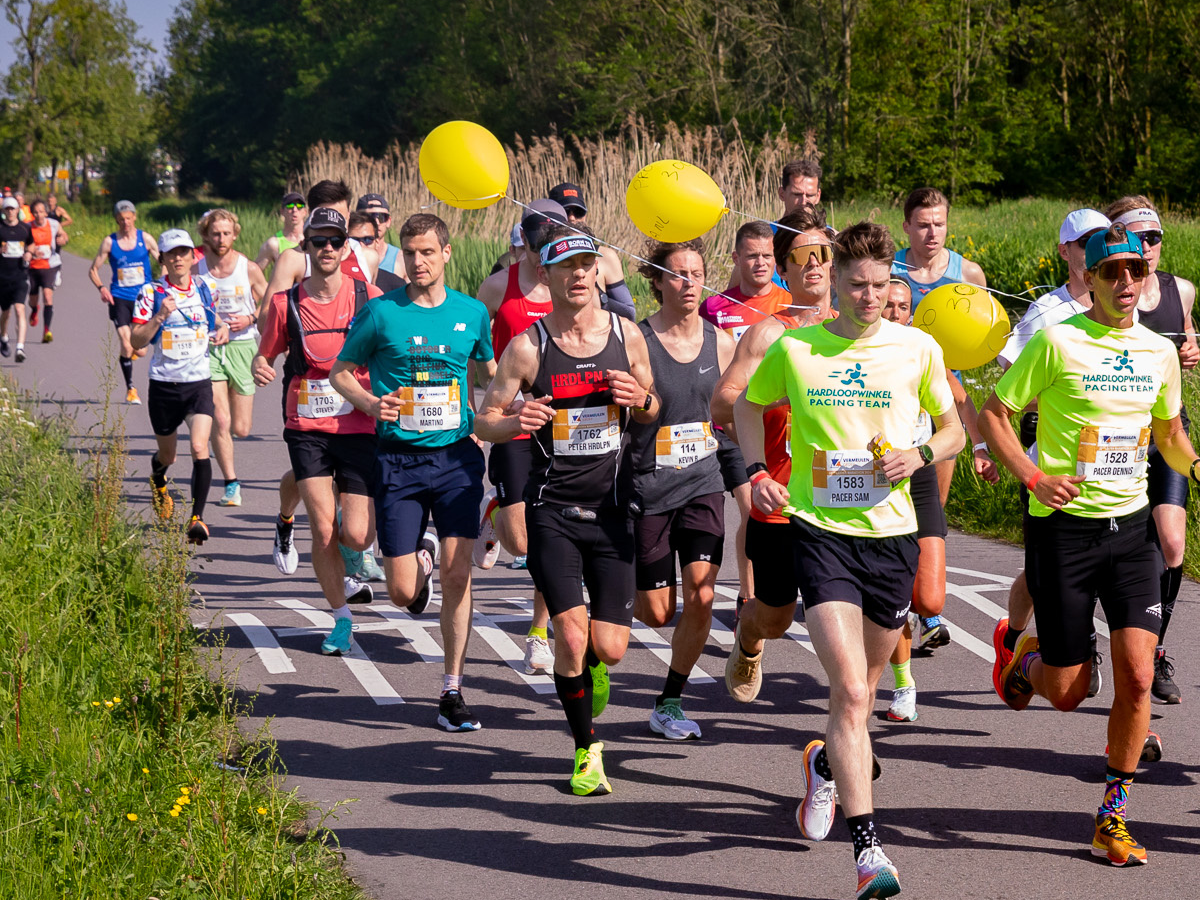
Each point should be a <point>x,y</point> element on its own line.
<point>178,316</point>
<point>420,347</point>
<point>391,260</point>
<point>128,251</point>
<point>26,212</point>
<point>511,256</point>
<point>800,185</point>
<point>1165,307</point>
<point>58,213</point>
<point>293,209</point>
<point>1102,382</point>
<point>363,229</point>
<point>16,251</point>
<point>331,445</point>
<point>853,383</point>
<point>515,299</point>
<point>238,285</point>
<point>754,296</point>
<point>614,292</point>
<point>588,370</point>
<point>1059,305</point>
<point>678,489</point>
<point>801,252</point>
<point>45,270</point>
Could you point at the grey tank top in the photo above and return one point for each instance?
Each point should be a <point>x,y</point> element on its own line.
<point>675,457</point>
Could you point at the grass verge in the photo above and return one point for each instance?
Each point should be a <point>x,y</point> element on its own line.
<point>122,771</point>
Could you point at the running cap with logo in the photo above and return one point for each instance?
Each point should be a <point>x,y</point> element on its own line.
<point>566,247</point>
<point>1098,249</point>
<point>515,238</point>
<point>568,195</point>
<point>372,203</point>
<point>1140,216</point>
<point>1080,222</point>
<point>539,211</point>
<point>292,197</point>
<point>173,238</point>
<point>11,203</point>
<point>124,206</point>
<point>324,217</point>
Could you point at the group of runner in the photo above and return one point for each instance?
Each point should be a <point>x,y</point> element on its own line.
<point>798,390</point>
<point>31,234</point>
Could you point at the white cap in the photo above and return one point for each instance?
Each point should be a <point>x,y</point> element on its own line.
<point>1140,216</point>
<point>10,203</point>
<point>175,237</point>
<point>1080,222</point>
<point>515,238</point>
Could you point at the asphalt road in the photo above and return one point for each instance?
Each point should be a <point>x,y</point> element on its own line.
<point>975,800</point>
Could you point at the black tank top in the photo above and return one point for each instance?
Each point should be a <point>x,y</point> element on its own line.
<point>1167,319</point>
<point>577,455</point>
<point>675,457</point>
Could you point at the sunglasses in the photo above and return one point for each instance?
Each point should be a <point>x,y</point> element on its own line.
<point>365,240</point>
<point>1150,238</point>
<point>378,217</point>
<point>321,241</point>
<point>293,206</point>
<point>799,255</point>
<point>1112,269</point>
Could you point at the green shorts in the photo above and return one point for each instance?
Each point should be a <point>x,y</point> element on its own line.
<point>231,362</point>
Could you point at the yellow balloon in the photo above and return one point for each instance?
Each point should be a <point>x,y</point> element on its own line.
<point>672,201</point>
<point>967,321</point>
<point>464,165</point>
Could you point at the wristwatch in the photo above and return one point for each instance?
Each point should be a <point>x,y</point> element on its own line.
<point>754,468</point>
<point>926,454</point>
<point>982,445</point>
<point>647,403</point>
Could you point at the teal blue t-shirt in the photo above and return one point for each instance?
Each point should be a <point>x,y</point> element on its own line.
<point>423,352</point>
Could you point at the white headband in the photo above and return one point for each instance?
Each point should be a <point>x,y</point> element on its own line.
<point>1138,215</point>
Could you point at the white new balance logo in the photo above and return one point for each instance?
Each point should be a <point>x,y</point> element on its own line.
<point>460,326</point>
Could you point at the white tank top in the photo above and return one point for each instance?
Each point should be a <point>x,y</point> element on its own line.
<point>233,296</point>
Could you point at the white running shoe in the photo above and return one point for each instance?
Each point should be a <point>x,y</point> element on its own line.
<point>356,591</point>
<point>814,815</point>
<point>285,555</point>
<point>668,719</point>
<point>487,546</point>
<point>539,659</point>
<point>904,705</point>
<point>877,877</point>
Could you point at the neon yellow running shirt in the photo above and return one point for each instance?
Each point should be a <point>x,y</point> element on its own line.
<point>843,393</point>
<point>1097,389</point>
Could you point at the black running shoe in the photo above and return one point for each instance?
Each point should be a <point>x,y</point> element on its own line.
<point>1164,687</point>
<point>455,715</point>
<point>1097,681</point>
<point>4,351</point>
<point>430,547</point>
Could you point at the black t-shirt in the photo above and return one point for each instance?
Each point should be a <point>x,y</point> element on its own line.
<point>54,214</point>
<point>13,241</point>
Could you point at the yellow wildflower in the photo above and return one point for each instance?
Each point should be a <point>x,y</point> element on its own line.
<point>95,703</point>
<point>132,817</point>
<point>185,790</point>
<point>262,810</point>
<point>116,699</point>
<point>175,811</point>
<point>145,771</point>
<point>108,704</point>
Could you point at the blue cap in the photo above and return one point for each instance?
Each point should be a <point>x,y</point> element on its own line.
<point>1098,248</point>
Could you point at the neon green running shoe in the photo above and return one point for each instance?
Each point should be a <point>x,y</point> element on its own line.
<point>599,688</point>
<point>589,772</point>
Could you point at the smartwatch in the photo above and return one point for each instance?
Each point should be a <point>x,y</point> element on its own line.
<point>754,468</point>
<point>649,401</point>
<point>926,454</point>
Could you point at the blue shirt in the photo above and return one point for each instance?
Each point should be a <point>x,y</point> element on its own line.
<point>422,352</point>
<point>952,275</point>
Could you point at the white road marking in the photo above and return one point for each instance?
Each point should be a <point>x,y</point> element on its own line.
<point>272,656</point>
<point>507,649</point>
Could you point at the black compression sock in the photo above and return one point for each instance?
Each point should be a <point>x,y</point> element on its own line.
<point>1011,637</point>
<point>1169,589</point>
<point>592,659</point>
<point>127,370</point>
<point>673,688</point>
<point>229,481</point>
<point>862,832</point>
<point>201,482</point>
<point>48,316</point>
<point>821,764</point>
<point>575,692</point>
<point>158,472</point>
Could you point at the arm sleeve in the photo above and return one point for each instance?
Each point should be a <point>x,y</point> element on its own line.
<point>769,381</point>
<point>273,328</point>
<point>1030,374</point>
<point>620,300</point>
<point>360,342</point>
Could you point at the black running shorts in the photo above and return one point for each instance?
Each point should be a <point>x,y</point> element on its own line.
<point>1070,561</point>
<point>349,458</point>
<point>566,554</point>
<point>733,465</point>
<point>43,279</point>
<point>1165,485</point>
<point>170,403</point>
<point>13,292</point>
<point>695,532</point>
<point>508,470</point>
<point>874,573</point>
<point>769,549</point>
<point>120,313</point>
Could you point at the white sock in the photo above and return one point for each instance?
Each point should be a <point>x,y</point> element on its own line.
<point>451,683</point>
<point>342,612</point>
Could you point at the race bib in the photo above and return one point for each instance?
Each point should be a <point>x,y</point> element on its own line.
<point>184,342</point>
<point>590,431</point>
<point>131,276</point>
<point>13,249</point>
<point>846,478</point>
<point>41,251</point>
<point>425,408</point>
<point>318,400</point>
<point>1111,454</point>
<point>738,330</point>
<point>679,446</point>
<point>231,303</point>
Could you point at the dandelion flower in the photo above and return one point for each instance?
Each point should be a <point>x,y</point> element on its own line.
<point>116,699</point>
<point>175,812</point>
<point>132,817</point>
<point>262,810</point>
<point>108,704</point>
<point>145,771</point>
<point>185,790</point>
<point>95,703</point>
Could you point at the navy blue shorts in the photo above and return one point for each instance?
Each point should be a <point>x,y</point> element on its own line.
<point>411,485</point>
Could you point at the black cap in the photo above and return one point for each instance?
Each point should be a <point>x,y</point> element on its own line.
<point>291,197</point>
<point>325,217</point>
<point>568,195</point>
<point>372,203</point>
